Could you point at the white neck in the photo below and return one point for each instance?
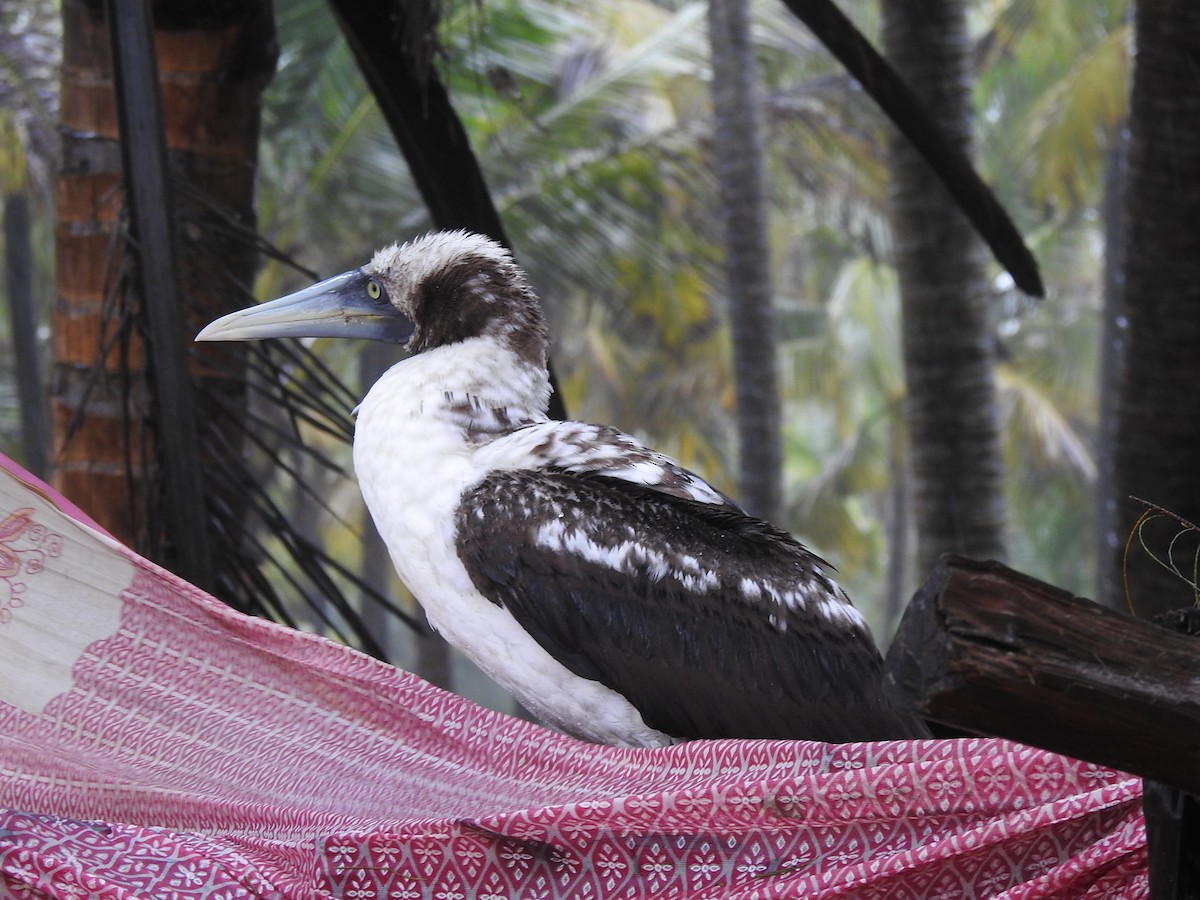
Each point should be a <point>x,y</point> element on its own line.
<point>477,386</point>
<point>420,426</point>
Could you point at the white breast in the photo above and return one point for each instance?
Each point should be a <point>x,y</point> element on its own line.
<point>413,462</point>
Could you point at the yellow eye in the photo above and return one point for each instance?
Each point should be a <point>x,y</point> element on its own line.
<point>374,291</point>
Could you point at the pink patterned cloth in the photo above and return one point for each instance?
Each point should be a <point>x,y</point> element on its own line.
<point>154,743</point>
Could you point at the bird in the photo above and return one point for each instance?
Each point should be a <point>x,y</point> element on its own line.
<point>618,596</point>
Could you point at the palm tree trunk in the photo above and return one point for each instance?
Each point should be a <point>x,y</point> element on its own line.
<point>1108,536</point>
<point>214,62</point>
<point>898,523</point>
<point>1157,453</point>
<point>23,313</point>
<point>957,463</point>
<point>739,158</point>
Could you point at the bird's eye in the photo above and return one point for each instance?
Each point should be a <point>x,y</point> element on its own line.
<point>374,289</point>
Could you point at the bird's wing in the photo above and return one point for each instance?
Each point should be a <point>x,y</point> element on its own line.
<point>712,624</point>
<point>601,450</point>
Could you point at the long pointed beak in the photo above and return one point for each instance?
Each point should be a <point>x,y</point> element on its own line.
<point>337,307</point>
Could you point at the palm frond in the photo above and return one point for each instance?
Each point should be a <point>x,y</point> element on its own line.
<point>1037,422</point>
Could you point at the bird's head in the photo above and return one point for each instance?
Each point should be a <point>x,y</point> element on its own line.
<point>440,289</point>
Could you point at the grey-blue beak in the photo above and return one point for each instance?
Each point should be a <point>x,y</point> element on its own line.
<point>352,305</point>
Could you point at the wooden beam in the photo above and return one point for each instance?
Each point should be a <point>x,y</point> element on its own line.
<point>416,105</point>
<point>1172,841</point>
<point>951,165</point>
<point>152,229</point>
<point>991,651</point>
<point>1173,816</point>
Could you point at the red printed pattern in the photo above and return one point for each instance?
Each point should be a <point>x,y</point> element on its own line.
<point>24,548</point>
<point>200,753</point>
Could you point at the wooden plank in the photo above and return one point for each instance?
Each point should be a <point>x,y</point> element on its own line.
<point>1172,816</point>
<point>991,651</point>
<point>949,164</point>
<point>1172,841</point>
<point>148,196</point>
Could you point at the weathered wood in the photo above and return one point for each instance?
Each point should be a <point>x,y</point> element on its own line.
<point>946,160</point>
<point>1172,829</point>
<point>392,49</point>
<point>992,651</point>
<point>148,196</point>
<point>1173,816</point>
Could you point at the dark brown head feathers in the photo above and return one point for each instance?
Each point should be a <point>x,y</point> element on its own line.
<point>455,286</point>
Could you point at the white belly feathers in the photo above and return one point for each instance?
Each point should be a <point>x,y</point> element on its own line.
<point>413,465</point>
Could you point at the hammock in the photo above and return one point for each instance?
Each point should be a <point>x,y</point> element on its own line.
<point>154,743</point>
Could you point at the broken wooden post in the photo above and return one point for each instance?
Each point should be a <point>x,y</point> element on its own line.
<point>1173,815</point>
<point>991,651</point>
<point>1172,841</point>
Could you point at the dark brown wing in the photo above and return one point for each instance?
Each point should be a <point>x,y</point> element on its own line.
<point>713,624</point>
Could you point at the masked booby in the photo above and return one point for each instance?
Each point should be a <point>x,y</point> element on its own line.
<point>618,596</point>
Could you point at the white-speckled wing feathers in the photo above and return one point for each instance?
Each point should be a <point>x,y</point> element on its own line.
<point>599,450</point>
<point>634,572</point>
